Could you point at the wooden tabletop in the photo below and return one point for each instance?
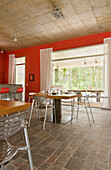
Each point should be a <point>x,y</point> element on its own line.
<point>7,107</point>
<point>93,91</point>
<point>57,96</point>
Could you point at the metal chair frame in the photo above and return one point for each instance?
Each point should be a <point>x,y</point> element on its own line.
<point>9,126</point>
<point>41,103</point>
<point>4,91</point>
<point>85,99</point>
<point>71,103</point>
<point>17,94</point>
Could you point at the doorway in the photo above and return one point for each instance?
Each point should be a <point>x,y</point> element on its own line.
<point>20,74</point>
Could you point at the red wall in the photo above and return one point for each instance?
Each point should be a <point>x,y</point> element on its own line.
<point>2,68</point>
<point>33,56</point>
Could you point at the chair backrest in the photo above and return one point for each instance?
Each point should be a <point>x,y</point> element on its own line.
<point>40,99</point>
<point>19,89</point>
<point>60,87</point>
<point>4,90</point>
<point>10,125</point>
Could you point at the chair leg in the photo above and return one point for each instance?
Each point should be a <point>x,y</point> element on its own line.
<point>87,112</point>
<point>54,112</point>
<point>45,118</point>
<point>78,108</point>
<point>31,113</point>
<point>29,99</point>
<point>72,106</point>
<point>22,134</point>
<point>90,109</point>
<point>2,167</point>
<point>28,148</point>
<point>38,111</point>
<point>39,114</point>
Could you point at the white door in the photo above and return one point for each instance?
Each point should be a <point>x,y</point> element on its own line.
<point>20,74</point>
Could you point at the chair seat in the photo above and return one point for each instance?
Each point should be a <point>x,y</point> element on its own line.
<point>84,101</point>
<point>7,99</point>
<point>9,126</point>
<point>44,106</point>
<point>7,151</point>
<point>41,103</point>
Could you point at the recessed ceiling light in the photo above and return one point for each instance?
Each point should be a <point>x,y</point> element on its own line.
<point>15,38</point>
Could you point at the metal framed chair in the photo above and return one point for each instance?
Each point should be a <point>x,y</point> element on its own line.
<point>41,103</point>
<point>16,96</point>
<point>71,103</point>
<point>4,93</point>
<point>84,100</point>
<point>10,125</point>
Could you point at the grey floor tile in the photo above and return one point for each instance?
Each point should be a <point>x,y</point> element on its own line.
<point>75,164</point>
<point>75,146</point>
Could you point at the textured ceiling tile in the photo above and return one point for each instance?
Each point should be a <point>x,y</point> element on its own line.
<point>104,19</point>
<point>92,28</point>
<point>81,5</point>
<point>4,14</point>
<point>21,4</point>
<point>60,22</point>
<point>11,8</point>
<point>66,28</point>
<point>51,17</point>
<point>33,23</point>
<point>16,6</point>
<point>21,16</point>
<point>4,2</point>
<point>42,2</point>
<point>103,11</point>
<point>92,22</point>
<point>77,25</point>
<point>106,27</point>
<point>43,19</point>
<point>32,11</point>
<point>87,15</point>
<point>73,19</point>
<point>64,3</point>
<point>68,11</point>
<point>99,3</point>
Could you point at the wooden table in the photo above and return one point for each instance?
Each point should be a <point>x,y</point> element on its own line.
<point>7,107</point>
<point>57,101</point>
<point>98,92</point>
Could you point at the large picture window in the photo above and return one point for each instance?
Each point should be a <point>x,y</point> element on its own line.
<point>80,68</point>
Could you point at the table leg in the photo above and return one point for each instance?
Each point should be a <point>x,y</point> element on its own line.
<point>57,103</point>
<point>98,95</point>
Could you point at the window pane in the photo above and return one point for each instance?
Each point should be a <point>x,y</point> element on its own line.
<point>20,77</point>
<point>79,73</point>
<point>20,74</point>
<point>82,78</point>
<point>20,60</point>
<point>79,52</point>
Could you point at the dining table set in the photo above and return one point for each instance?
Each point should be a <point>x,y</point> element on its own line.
<point>11,113</point>
<point>57,102</point>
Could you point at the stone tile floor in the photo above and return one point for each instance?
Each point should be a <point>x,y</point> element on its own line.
<point>71,146</point>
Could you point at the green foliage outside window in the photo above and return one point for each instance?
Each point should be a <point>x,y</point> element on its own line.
<point>79,77</point>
